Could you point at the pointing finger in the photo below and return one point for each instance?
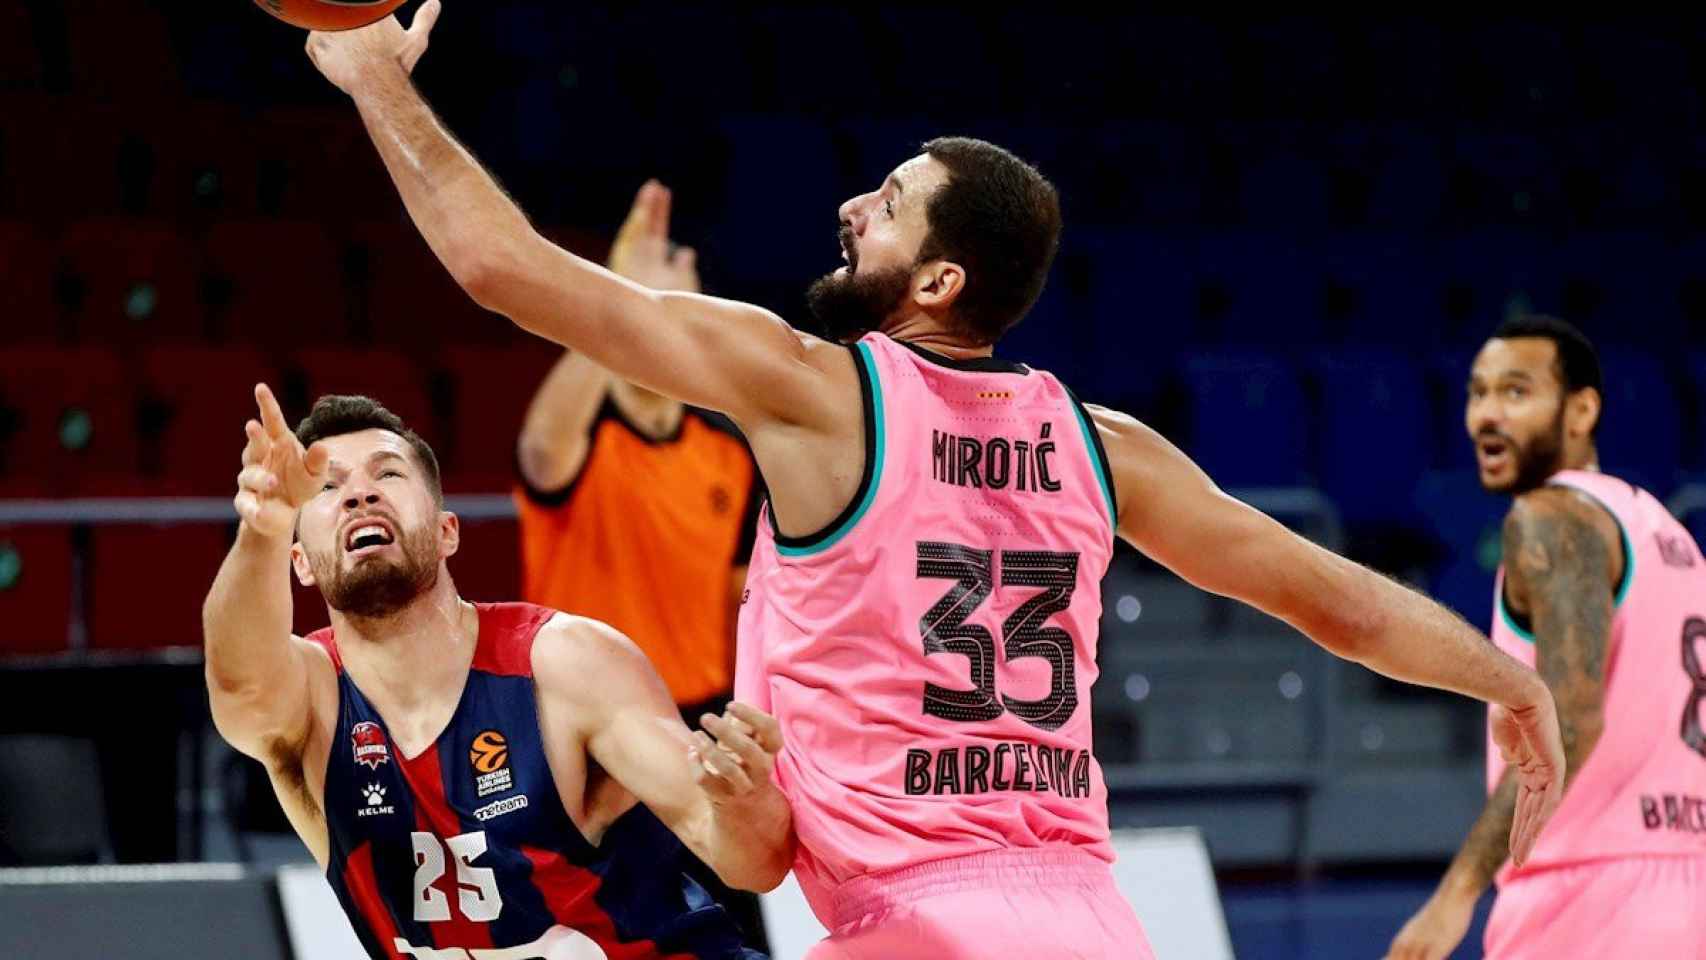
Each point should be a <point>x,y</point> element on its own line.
<point>271,416</point>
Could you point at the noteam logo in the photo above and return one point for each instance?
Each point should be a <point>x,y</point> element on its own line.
<point>369,743</point>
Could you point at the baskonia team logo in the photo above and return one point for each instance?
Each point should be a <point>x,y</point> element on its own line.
<point>369,742</point>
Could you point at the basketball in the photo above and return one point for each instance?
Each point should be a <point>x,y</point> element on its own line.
<point>329,14</point>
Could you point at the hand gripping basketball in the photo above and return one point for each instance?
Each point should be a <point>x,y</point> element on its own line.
<point>278,475</point>
<point>347,56</point>
<point>738,763</point>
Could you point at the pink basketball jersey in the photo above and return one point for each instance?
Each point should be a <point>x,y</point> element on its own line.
<point>930,655</point>
<point>1643,789</point>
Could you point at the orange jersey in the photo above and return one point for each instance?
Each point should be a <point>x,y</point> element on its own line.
<point>645,538</point>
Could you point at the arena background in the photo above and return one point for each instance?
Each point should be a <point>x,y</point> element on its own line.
<point>1285,238</point>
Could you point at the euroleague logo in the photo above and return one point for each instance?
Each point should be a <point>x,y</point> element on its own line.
<point>489,756</point>
<point>369,742</point>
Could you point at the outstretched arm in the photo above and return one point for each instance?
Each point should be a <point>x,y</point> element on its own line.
<point>717,796</point>
<point>1173,512</point>
<point>1558,568</point>
<point>257,672</point>
<point>727,356</point>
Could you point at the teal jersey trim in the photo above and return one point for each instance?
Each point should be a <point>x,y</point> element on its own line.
<point>1093,444</point>
<point>878,445</point>
<point>1622,587</point>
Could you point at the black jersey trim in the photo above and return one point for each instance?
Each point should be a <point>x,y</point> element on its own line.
<point>989,364</point>
<point>870,398</point>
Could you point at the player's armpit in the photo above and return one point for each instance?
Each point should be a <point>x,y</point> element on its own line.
<point>1559,570</point>
<point>264,720</point>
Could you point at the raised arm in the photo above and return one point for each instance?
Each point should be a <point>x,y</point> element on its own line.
<point>717,796</point>
<point>1173,512</point>
<point>554,444</point>
<point>257,672</point>
<point>727,356</point>
<point>1559,565</point>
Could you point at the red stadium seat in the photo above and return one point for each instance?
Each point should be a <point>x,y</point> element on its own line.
<point>67,422</point>
<point>208,161</point>
<point>276,282</point>
<point>20,63</point>
<point>26,284</point>
<point>147,583</point>
<point>406,297</point>
<point>135,279</point>
<point>487,565</point>
<point>195,402</point>
<point>309,608</point>
<point>493,387</point>
<point>120,51</point>
<point>35,588</point>
<point>388,377</point>
<point>62,157</point>
<point>319,162</point>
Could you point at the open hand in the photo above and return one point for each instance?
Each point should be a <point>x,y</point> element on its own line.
<point>642,251</point>
<point>278,475</point>
<point>1529,740</point>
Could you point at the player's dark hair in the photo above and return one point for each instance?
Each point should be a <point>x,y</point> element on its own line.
<point>999,218</point>
<point>335,415</point>
<point>1577,365</point>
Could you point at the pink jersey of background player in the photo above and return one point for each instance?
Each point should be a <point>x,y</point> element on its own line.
<point>1621,869</point>
<point>1605,592</point>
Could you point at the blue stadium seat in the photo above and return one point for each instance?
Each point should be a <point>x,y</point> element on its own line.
<point>1511,178</point>
<point>780,210</point>
<point>1057,337</point>
<point>1285,190</point>
<point>1620,287</point>
<point>1374,432</point>
<point>1141,172</point>
<point>1273,284</point>
<point>1448,379</point>
<point>1140,302</point>
<point>1248,427</point>
<point>1409,179</point>
<point>1640,436</point>
<point>1487,273</point>
<point>1465,520</point>
<point>1694,378</point>
<point>1389,283</point>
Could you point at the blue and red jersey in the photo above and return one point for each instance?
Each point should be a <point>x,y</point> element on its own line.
<point>466,851</point>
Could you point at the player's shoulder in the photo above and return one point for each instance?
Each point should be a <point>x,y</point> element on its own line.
<point>1126,438</point>
<point>1556,523</point>
<point>826,356</point>
<point>572,653</point>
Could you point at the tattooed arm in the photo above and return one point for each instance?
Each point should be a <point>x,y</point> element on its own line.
<point>1563,556</point>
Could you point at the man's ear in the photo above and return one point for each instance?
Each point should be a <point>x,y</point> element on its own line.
<point>937,284</point>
